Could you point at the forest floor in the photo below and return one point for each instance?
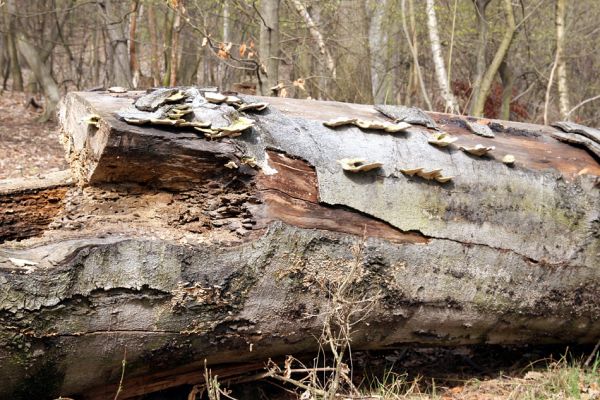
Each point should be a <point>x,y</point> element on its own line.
<point>27,147</point>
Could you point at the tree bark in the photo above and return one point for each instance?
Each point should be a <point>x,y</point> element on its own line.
<point>508,79</point>
<point>451,105</point>
<point>134,64</point>
<point>327,64</point>
<point>43,76</point>
<point>490,73</point>
<point>269,45</point>
<point>377,51</point>
<point>174,63</point>
<point>159,254</point>
<point>482,32</point>
<point>154,57</point>
<point>116,28</point>
<point>563,87</point>
<point>412,43</point>
<point>15,68</point>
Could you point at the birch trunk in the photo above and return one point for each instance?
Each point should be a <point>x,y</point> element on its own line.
<point>499,56</point>
<point>563,87</point>
<point>451,105</point>
<point>326,62</point>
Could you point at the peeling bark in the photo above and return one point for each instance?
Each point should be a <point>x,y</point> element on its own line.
<point>159,249</point>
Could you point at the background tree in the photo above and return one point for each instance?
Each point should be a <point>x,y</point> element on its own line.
<point>501,53</point>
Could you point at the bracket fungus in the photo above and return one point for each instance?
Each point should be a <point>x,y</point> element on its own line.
<point>429,175</point>
<point>358,164</point>
<point>216,98</point>
<point>249,161</point>
<point>253,106</point>
<point>93,120</point>
<point>231,165</point>
<point>442,140</point>
<point>340,121</point>
<point>509,159</point>
<point>368,124</point>
<point>117,89</point>
<point>479,150</point>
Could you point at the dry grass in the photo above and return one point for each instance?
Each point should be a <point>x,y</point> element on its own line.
<point>558,380</point>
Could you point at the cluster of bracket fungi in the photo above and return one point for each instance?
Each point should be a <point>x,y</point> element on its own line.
<point>176,107</point>
<point>404,118</point>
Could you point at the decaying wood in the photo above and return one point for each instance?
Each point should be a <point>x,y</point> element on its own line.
<point>160,253</point>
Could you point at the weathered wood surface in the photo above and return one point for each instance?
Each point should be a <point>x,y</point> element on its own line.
<point>163,251</point>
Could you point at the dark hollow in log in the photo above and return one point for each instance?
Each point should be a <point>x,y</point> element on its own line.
<point>161,252</point>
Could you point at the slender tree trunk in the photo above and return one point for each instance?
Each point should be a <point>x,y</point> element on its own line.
<point>152,27</point>
<point>175,44</point>
<point>326,63</point>
<point>492,70</point>
<point>134,64</point>
<point>43,75</point>
<point>563,87</point>
<point>451,105</point>
<point>412,43</point>
<point>377,50</point>
<point>116,29</point>
<point>269,44</point>
<point>482,30</point>
<point>15,68</point>
<point>508,79</point>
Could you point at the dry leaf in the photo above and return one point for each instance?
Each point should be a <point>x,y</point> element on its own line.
<point>299,83</point>
<point>204,41</point>
<point>242,49</point>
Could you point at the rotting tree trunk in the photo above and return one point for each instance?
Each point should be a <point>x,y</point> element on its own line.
<point>161,255</point>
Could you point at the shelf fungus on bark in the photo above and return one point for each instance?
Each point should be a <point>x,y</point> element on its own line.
<point>480,129</point>
<point>176,97</point>
<point>249,161</point>
<point>253,106</point>
<point>117,89</point>
<point>435,174</point>
<point>479,150</point>
<point>358,165</point>
<point>93,120</point>
<point>233,100</point>
<point>441,140</point>
<point>368,124</point>
<point>231,165</point>
<point>340,121</point>
<point>508,159</point>
<point>216,98</point>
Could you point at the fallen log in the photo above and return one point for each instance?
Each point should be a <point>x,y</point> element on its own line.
<point>165,249</point>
